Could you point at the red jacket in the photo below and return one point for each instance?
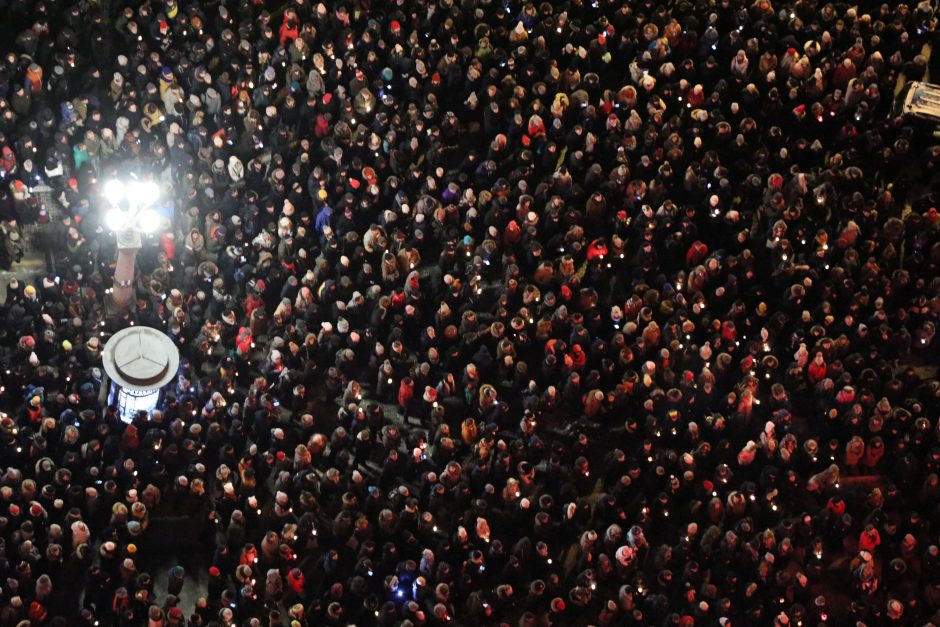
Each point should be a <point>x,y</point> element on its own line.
<point>837,509</point>
<point>322,126</point>
<point>296,580</point>
<point>596,249</point>
<point>243,341</point>
<point>248,557</point>
<point>512,234</point>
<point>288,33</point>
<point>169,245</point>
<point>816,372</point>
<point>869,541</point>
<point>536,129</point>
<point>406,392</point>
<point>697,252</point>
<point>578,357</point>
<point>252,303</point>
<point>728,332</point>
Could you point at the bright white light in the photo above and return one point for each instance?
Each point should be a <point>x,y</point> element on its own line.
<point>115,219</point>
<point>151,193</point>
<point>114,191</point>
<point>148,220</point>
<point>142,193</point>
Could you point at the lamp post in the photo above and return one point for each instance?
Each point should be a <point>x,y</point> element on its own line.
<point>129,216</point>
<point>140,362</point>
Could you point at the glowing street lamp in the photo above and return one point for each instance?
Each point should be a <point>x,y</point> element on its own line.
<point>130,213</point>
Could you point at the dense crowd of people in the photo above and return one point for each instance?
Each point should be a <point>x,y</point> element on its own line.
<point>490,313</point>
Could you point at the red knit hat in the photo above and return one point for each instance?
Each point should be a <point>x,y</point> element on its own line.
<point>296,579</point>
<point>836,508</point>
